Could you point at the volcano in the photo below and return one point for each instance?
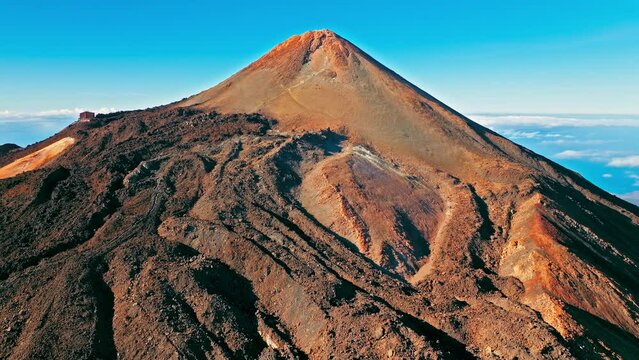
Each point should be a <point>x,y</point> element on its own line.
<point>313,205</point>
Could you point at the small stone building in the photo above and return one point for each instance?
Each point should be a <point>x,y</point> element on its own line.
<point>86,116</point>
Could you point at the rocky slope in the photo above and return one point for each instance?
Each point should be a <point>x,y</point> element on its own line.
<point>7,148</point>
<point>349,215</point>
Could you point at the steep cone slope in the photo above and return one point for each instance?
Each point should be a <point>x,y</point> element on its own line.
<point>528,223</point>
<point>319,80</point>
<point>403,231</point>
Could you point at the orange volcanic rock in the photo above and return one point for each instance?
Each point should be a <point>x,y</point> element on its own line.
<point>36,159</point>
<point>389,216</point>
<point>313,205</point>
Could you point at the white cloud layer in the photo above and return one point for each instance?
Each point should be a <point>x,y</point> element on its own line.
<point>572,141</point>
<point>572,154</point>
<point>632,197</point>
<point>593,155</point>
<point>549,121</point>
<point>517,134</point>
<point>625,161</point>
<point>634,177</point>
<point>7,116</point>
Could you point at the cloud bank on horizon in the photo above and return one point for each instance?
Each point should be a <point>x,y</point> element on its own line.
<point>25,128</point>
<point>7,116</point>
<point>559,120</point>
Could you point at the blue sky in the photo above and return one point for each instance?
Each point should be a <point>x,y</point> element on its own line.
<point>506,57</point>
